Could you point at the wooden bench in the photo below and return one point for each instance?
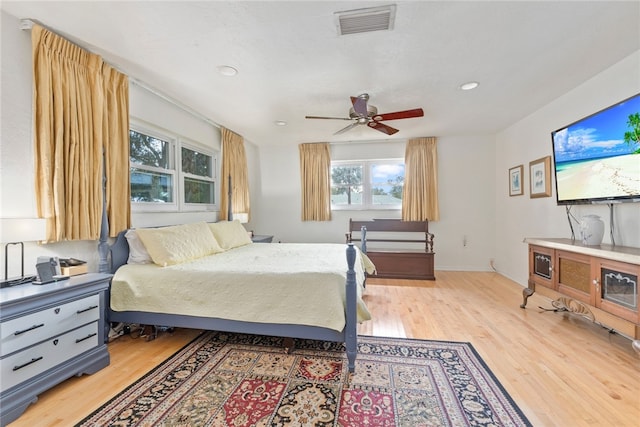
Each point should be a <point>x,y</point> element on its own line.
<point>399,249</point>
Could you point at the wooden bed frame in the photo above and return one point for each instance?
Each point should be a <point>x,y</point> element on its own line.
<point>119,252</point>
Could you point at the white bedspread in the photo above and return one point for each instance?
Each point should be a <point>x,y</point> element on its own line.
<point>287,283</point>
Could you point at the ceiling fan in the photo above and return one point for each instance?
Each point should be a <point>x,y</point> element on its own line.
<point>363,113</point>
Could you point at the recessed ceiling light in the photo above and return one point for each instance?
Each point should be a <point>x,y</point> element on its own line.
<point>469,85</point>
<point>227,70</point>
<point>280,123</point>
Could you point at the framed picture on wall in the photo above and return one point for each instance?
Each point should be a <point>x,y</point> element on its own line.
<point>539,177</point>
<point>515,181</point>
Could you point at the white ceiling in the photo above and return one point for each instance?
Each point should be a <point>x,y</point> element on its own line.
<point>292,62</point>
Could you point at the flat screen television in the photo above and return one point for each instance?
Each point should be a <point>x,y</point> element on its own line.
<point>597,158</point>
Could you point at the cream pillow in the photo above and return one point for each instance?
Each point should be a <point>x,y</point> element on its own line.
<point>138,254</point>
<point>230,234</point>
<point>178,243</point>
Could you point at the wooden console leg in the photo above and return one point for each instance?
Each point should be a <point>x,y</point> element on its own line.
<point>636,346</point>
<point>526,293</point>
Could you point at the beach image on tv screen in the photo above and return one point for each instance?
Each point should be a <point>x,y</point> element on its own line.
<point>599,157</point>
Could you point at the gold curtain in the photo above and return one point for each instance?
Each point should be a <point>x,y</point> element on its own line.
<point>234,165</point>
<point>116,147</point>
<point>70,117</point>
<point>420,192</point>
<point>315,173</point>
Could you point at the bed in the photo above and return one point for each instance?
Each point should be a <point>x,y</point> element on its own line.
<point>304,291</point>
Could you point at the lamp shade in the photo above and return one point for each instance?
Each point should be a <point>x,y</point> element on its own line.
<point>241,216</point>
<point>14,230</point>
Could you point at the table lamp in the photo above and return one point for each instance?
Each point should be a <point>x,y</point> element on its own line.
<point>16,231</point>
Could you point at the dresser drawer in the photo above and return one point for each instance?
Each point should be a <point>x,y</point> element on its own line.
<point>25,331</point>
<point>28,363</point>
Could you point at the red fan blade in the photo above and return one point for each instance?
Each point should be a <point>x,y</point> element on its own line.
<point>360,106</point>
<point>343,130</point>
<point>382,127</point>
<point>407,114</point>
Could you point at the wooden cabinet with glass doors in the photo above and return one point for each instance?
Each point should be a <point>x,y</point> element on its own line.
<point>600,282</point>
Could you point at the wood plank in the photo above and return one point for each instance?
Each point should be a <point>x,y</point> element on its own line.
<point>561,370</point>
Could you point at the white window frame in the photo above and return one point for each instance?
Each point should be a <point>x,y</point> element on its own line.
<point>176,143</point>
<point>367,203</point>
<point>194,146</point>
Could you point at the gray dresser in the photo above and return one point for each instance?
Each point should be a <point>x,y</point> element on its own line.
<point>49,333</point>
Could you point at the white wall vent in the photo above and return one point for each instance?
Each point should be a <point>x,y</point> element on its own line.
<point>365,20</point>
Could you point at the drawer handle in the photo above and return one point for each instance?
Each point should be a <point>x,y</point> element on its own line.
<point>28,329</point>
<point>34,360</point>
<point>87,309</point>
<point>79,340</point>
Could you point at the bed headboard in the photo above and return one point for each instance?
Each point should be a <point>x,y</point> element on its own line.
<point>119,251</point>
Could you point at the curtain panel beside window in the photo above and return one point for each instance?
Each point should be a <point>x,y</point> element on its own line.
<point>315,174</point>
<point>81,117</point>
<point>234,165</point>
<point>420,192</point>
<point>115,130</point>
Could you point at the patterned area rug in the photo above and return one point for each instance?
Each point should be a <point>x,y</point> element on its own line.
<point>222,379</point>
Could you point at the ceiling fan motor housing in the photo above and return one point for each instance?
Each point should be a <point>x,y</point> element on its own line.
<point>371,111</point>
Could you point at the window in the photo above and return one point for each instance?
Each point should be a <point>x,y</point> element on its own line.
<point>158,184</point>
<point>152,174</point>
<point>197,170</point>
<point>371,184</point>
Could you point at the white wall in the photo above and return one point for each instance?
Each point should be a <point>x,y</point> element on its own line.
<point>16,151</point>
<point>530,139</point>
<point>466,195</point>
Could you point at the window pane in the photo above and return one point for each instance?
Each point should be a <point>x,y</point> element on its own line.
<point>196,163</point>
<point>149,151</point>
<point>347,195</point>
<point>196,191</point>
<point>346,185</point>
<point>151,186</point>
<point>386,184</point>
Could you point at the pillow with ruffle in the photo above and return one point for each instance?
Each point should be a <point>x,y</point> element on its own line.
<point>138,254</point>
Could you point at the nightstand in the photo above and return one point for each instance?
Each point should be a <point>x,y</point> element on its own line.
<point>49,333</point>
<point>261,238</point>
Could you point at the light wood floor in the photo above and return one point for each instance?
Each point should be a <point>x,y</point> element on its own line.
<point>560,369</point>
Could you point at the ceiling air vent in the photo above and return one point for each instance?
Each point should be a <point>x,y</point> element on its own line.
<point>365,20</point>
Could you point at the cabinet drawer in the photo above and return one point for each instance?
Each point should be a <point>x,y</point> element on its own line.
<point>25,331</point>
<point>30,362</point>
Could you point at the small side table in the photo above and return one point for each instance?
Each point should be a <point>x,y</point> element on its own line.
<point>261,238</point>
